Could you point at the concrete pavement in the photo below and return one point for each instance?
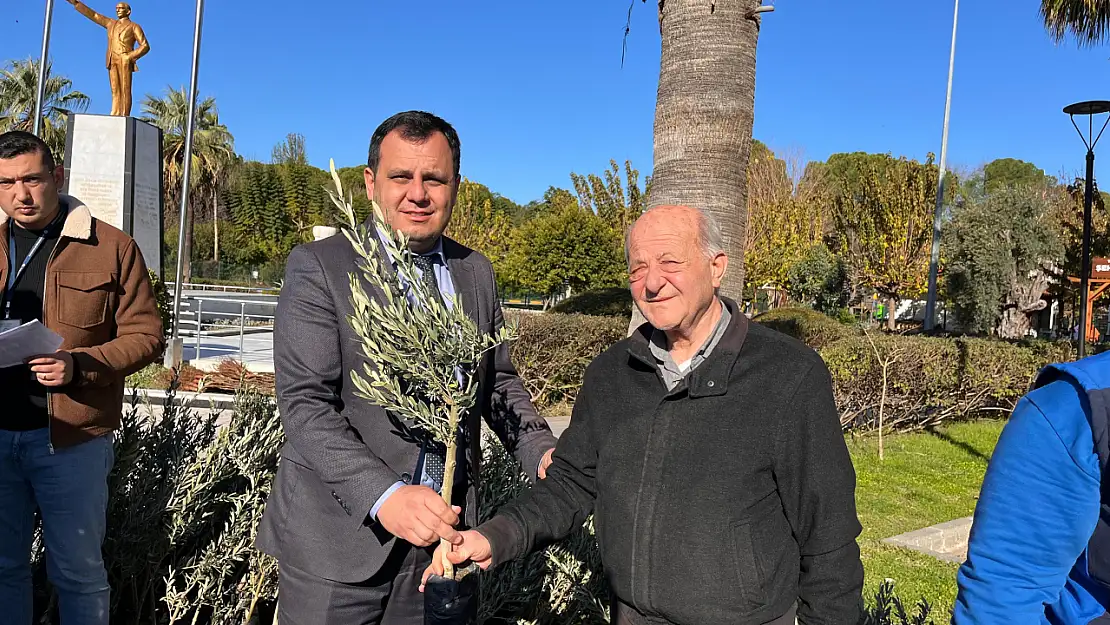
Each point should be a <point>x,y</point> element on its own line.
<point>257,351</point>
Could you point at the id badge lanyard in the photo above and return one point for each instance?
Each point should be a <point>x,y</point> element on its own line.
<point>15,274</point>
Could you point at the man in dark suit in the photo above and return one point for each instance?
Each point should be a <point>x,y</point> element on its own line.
<point>355,507</point>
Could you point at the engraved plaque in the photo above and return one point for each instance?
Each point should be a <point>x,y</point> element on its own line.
<point>114,166</point>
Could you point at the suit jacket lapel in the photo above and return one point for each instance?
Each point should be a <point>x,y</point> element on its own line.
<point>463,275</point>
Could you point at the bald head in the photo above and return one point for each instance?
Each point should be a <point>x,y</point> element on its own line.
<point>676,259</point>
<point>708,231</point>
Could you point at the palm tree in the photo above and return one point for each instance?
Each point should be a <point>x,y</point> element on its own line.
<point>18,89</point>
<point>213,149</point>
<point>1088,20</point>
<point>704,111</point>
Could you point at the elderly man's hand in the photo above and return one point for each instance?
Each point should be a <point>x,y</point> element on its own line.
<point>545,462</point>
<point>474,547</point>
<point>52,369</point>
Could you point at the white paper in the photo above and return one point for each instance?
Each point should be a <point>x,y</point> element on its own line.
<point>29,339</point>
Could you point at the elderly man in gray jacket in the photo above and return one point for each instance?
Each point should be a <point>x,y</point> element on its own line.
<point>709,450</point>
<point>356,504</point>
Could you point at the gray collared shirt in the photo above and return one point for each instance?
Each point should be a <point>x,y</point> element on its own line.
<point>670,370</point>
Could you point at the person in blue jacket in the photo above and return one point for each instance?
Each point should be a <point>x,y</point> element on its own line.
<point>1040,542</point>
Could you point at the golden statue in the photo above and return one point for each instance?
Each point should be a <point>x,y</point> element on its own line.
<point>123,35</point>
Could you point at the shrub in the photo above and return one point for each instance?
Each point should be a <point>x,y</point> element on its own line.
<point>186,500</point>
<point>164,301</point>
<point>888,609</point>
<point>809,326</point>
<point>553,350</point>
<point>611,302</point>
<point>148,377</point>
<point>185,504</point>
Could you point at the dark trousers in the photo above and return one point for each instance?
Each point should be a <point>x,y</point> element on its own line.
<point>623,614</point>
<point>391,597</point>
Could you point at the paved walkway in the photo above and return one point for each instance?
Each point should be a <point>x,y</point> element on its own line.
<point>945,541</point>
<point>257,354</point>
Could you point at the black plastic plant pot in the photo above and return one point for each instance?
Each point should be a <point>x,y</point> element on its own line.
<point>451,602</point>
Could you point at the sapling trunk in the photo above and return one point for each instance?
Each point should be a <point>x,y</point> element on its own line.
<point>449,480</point>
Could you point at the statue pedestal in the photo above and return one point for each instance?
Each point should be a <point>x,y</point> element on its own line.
<point>114,165</point>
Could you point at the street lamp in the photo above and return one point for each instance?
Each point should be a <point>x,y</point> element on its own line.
<point>1090,109</point>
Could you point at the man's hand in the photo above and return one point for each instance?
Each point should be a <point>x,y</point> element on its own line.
<point>419,515</point>
<point>52,369</point>
<point>545,462</point>
<point>473,546</point>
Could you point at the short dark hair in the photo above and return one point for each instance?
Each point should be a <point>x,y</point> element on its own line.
<point>414,126</point>
<point>19,142</point>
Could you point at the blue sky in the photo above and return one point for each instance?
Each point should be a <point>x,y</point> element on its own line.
<point>536,89</point>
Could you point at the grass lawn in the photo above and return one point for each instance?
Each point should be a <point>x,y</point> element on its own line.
<point>925,479</point>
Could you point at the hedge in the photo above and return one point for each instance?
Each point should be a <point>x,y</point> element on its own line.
<point>553,350</point>
<point>808,326</point>
<point>929,380</point>
<point>612,302</point>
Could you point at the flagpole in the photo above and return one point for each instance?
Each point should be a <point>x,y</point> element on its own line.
<point>37,128</point>
<point>173,354</point>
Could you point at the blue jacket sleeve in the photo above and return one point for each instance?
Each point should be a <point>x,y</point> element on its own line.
<point>1037,510</point>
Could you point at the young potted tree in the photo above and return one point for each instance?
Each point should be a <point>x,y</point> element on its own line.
<point>421,356</point>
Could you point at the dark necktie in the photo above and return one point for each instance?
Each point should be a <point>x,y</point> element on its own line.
<point>433,462</point>
<point>427,273</point>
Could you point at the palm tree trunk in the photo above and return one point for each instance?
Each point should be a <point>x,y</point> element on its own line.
<point>704,111</point>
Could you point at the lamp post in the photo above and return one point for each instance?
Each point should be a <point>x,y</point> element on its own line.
<point>1090,109</point>
<point>934,253</point>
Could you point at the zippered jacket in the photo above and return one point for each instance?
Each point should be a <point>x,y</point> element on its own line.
<point>98,297</point>
<point>727,500</point>
<point>1039,551</point>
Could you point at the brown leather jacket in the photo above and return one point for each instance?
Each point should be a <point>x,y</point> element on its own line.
<point>98,297</point>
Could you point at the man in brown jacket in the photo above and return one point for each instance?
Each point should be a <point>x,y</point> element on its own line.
<point>86,281</point>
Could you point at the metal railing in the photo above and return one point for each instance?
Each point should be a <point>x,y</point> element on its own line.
<point>223,288</point>
<point>195,320</point>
